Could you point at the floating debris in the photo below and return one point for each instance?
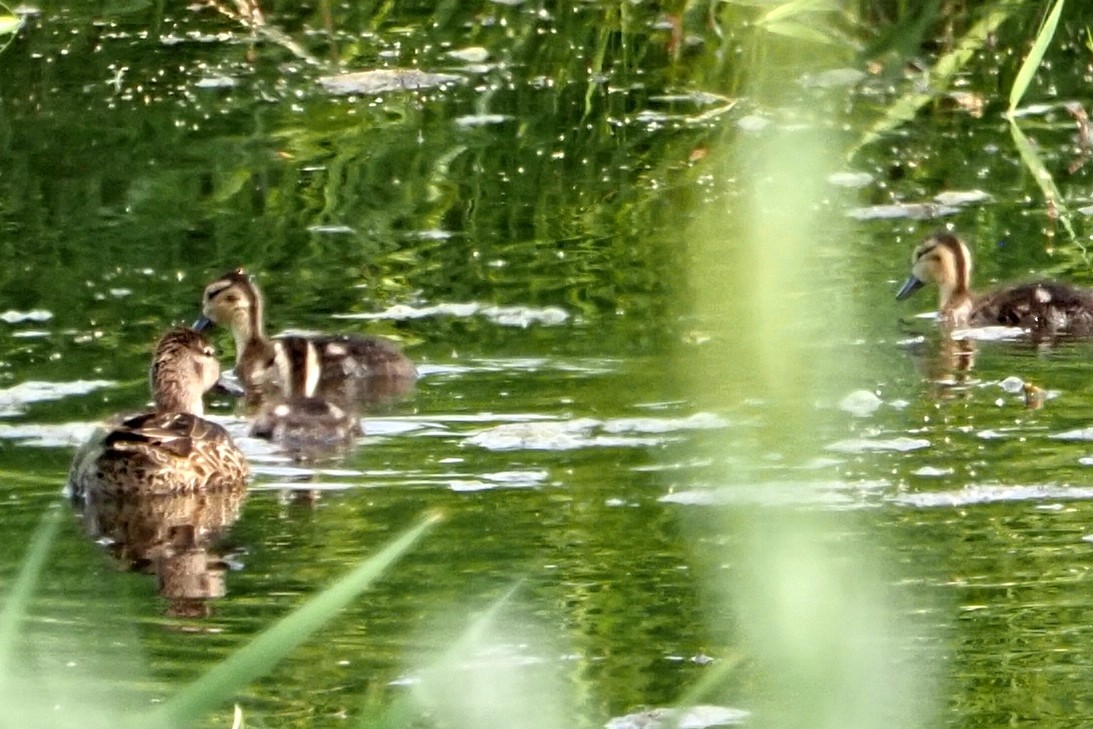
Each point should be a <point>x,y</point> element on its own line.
<point>520,316</point>
<point>901,444</point>
<point>989,334</point>
<point>14,399</point>
<point>976,494</point>
<point>696,717</point>
<point>473,54</point>
<point>914,211</point>
<point>48,435</point>
<point>14,317</point>
<point>698,421</point>
<point>563,435</point>
<point>216,82</point>
<point>966,197</point>
<point>480,120</point>
<point>331,229</point>
<point>861,403</point>
<point>501,479</point>
<point>830,493</point>
<point>382,81</point>
<point>932,471</point>
<point>850,179</point>
<point>752,123</point>
<point>1079,434</point>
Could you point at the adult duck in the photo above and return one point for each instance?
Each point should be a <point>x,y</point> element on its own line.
<point>172,449</point>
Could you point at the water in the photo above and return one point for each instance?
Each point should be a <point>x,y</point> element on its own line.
<point>525,233</point>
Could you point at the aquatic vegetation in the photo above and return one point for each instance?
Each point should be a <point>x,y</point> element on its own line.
<point>215,687</point>
<point>663,381</point>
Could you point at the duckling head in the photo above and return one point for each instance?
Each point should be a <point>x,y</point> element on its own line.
<point>942,259</point>
<point>233,301</point>
<point>184,367</point>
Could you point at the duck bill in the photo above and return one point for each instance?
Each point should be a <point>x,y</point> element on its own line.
<point>910,286</point>
<point>203,324</point>
<point>229,386</point>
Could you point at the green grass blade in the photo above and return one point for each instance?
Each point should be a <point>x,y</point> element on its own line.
<point>15,607</point>
<point>941,75</point>
<point>795,8</point>
<point>1040,173</point>
<point>401,712</point>
<point>9,24</point>
<point>1035,56</point>
<point>261,654</point>
<point>712,681</point>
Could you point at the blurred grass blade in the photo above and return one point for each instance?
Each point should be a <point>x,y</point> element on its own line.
<point>400,713</point>
<point>262,653</point>
<point>791,9</point>
<point>1035,56</point>
<point>797,19</point>
<point>801,31</point>
<point>712,683</point>
<point>15,607</point>
<point>9,24</point>
<point>941,75</point>
<point>1042,176</point>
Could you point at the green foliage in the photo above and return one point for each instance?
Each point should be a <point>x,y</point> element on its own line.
<point>941,75</point>
<point>1035,56</point>
<point>10,25</point>
<point>19,595</point>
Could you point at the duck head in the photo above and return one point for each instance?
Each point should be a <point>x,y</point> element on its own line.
<point>942,259</point>
<point>233,301</point>
<point>184,368</point>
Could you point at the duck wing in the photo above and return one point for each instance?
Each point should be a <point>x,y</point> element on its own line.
<point>349,355</point>
<point>1044,307</point>
<point>161,453</point>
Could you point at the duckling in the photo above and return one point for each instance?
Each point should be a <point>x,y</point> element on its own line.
<point>172,449</point>
<point>301,422</point>
<point>1044,308</point>
<point>351,368</point>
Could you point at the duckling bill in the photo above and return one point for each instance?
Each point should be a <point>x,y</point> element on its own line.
<point>1043,307</point>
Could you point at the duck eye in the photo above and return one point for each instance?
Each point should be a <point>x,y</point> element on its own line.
<point>231,298</point>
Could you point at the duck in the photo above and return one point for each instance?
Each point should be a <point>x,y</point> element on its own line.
<point>348,368</point>
<point>300,421</point>
<point>1041,307</point>
<point>172,449</point>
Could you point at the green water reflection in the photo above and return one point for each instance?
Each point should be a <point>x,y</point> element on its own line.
<point>145,150</point>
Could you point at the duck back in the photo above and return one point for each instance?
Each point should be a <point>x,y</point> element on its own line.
<point>159,453</point>
<point>1044,307</point>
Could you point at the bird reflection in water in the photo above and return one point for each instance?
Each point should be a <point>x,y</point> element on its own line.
<point>174,536</point>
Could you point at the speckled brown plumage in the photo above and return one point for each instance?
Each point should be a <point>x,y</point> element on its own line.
<point>1045,308</point>
<point>171,450</point>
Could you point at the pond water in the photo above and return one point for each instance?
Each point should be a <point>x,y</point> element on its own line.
<point>532,222</point>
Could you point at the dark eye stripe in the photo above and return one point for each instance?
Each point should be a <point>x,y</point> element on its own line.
<point>213,291</point>
<point>925,252</point>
